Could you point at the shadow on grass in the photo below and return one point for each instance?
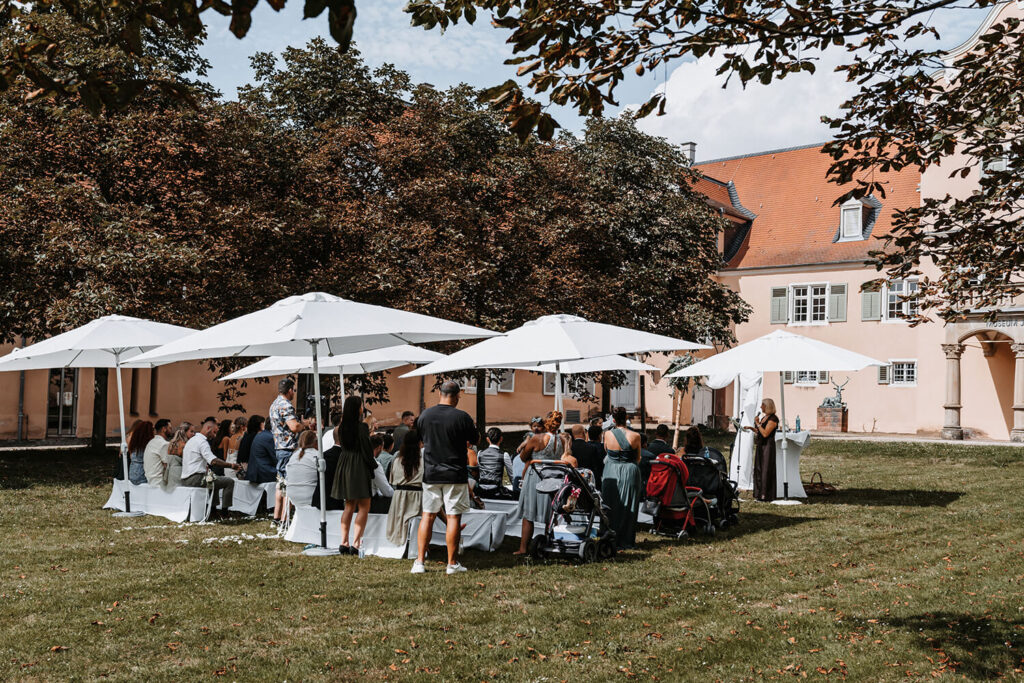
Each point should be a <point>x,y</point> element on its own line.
<point>888,497</point>
<point>975,647</point>
<point>748,524</point>
<point>25,469</point>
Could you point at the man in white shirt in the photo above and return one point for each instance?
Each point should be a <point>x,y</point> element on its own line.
<point>196,459</point>
<point>154,458</point>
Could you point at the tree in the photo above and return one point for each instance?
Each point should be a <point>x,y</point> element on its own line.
<point>577,53</point>
<point>132,31</point>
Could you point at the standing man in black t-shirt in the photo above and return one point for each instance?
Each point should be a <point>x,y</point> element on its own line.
<point>447,433</point>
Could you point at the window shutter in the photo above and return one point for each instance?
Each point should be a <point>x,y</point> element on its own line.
<point>837,303</point>
<point>871,306</point>
<point>780,305</point>
<point>822,376</point>
<point>883,374</point>
<point>788,376</point>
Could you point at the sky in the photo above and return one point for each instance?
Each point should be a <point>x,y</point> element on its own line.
<point>723,122</point>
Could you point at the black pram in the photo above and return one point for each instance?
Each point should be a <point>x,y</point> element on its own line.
<point>709,472</point>
<point>576,524</point>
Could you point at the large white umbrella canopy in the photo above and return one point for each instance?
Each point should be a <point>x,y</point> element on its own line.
<point>321,325</point>
<point>337,325</point>
<point>112,341</point>
<point>553,340</point>
<point>780,352</point>
<point>345,364</point>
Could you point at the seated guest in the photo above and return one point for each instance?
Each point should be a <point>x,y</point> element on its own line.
<point>137,442</point>
<point>262,465</point>
<point>407,479</point>
<point>382,491</point>
<point>493,463</point>
<point>234,442</point>
<point>300,472</point>
<point>621,487</point>
<point>154,458</point>
<point>646,458</point>
<point>387,453</point>
<point>329,434</point>
<point>197,459</point>
<point>589,456</point>
<point>172,471</point>
<point>693,442</point>
<point>595,437</point>
<point>518,469</point>
<point>253,426</point>
<point>660,443</point>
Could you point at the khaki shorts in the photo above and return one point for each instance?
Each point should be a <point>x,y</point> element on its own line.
<point>454,496</point>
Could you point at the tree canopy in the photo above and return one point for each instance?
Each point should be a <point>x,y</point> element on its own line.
<point>329,175</point>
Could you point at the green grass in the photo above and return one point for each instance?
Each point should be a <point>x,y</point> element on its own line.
<point>914,568</point>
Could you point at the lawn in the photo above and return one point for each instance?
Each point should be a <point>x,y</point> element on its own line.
<point>913,570</point>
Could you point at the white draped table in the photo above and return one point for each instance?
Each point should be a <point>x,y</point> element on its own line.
<point>180,504</point>
<point>485,530</point>
<point>186,503</point>
<point>795,444</point>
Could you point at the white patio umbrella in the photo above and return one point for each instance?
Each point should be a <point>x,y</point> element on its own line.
<point>552,340</point>
<point>345,364</point>
<point>780,352</point>
<point>321,325</point>
<point>113,341</point>
<point>578,367</point>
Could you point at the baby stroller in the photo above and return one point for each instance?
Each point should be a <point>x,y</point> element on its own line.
<point>709,472</point>
<point>576,524</point>
<point>676,507</point>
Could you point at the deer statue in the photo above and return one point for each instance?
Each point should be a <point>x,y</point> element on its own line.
<point>837,400</point>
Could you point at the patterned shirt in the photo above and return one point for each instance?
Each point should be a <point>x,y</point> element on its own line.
<point>281,410</point>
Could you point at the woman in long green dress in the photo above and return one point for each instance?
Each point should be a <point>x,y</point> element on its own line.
<point>620,485</point>
<point>547,445</point>
<point>354,473</point>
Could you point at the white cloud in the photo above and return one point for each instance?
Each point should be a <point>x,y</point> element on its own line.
<point>737,120</point>
<point>785,113</point>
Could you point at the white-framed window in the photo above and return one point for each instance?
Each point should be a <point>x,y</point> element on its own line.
<point>549,385</point>
<point>506,384</point>
<point>806,377</point>
<point>851,220</point>
<point>896,307</point>
<point>903,373</point>
<point>809,304</point>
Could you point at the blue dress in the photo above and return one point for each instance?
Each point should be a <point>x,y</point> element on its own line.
<point>534,505</point>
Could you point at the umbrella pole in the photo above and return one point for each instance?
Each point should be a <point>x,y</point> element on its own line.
<point>321,464</point>
<point>785,470</point>
<point>124,444</point>
<point>558,387</point>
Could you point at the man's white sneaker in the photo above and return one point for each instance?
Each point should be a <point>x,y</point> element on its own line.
<point>456,568</point>
<point>418,568</point>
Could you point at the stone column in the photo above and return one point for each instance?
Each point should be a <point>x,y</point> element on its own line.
<point>1017,433</point>
<point>951,426</point>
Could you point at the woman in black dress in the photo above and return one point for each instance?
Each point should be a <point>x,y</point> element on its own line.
<point>764,428</point>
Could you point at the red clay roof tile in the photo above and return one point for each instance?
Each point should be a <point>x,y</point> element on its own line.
<point>796,219</point>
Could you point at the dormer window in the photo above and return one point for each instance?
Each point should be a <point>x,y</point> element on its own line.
<point>851,220</point>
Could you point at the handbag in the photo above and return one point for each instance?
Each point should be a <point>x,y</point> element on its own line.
<point>818,488</point>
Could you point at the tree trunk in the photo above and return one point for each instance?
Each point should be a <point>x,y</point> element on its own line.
<point>679,416</point>
<point>481,403</point>
<point>606,395</point>
<point>99,410</point>
<point>423,394</point>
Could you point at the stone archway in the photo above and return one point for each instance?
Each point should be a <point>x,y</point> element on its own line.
<point>1009,332</point>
